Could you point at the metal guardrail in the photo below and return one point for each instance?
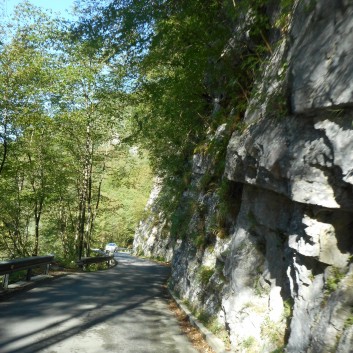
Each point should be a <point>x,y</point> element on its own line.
<point>85,261</point>
<point>27,263</point>
<point>126,250</point>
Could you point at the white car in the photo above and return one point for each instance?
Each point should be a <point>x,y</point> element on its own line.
<point>111,247</point>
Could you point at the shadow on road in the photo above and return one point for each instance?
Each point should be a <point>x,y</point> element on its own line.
<point>68,306</point>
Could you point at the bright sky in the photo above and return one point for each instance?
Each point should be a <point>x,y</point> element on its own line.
<point>62,6</point>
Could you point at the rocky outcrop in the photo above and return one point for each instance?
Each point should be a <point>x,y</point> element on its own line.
<point>277,272</point>
<point>151,237</point>
<point>321,54</point>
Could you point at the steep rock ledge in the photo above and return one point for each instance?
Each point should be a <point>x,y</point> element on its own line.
<point>279,274</point>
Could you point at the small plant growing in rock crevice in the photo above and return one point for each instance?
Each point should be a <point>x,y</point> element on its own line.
<point>249,344</point>
<point>261,288</point>
<point>333,280</point>
<point>212,323</point>
<point>349,321</point>
<point>288,308</point>
<point>199,240</point>
<point>274,332</point>
<point>204,274</point>
<point>140,251</point>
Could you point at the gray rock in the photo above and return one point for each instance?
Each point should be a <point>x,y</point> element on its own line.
<point>321,57</point>
<point>304,159</point>
<point>283,278</point>
<point>200,163</point>
<point>150,239</point>
<point>308,295</point>
<point>346,342</point>
<point>334,323</point>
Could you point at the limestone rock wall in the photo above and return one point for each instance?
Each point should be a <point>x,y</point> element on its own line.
<point>150,238</point>
<point>281,279</point>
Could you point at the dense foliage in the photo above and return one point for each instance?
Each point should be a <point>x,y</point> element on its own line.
<point>160,74</point>
<point>62,115</point>
<point>192,66</point>
<point>186,76</point>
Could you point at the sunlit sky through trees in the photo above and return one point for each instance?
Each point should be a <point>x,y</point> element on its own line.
<point>64,7</point>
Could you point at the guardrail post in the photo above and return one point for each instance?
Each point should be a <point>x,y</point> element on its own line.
<point>29,274</point>
<point>47,269</point>
<point>5,281</point>
<point>9,266</point>
<point>86,261</point>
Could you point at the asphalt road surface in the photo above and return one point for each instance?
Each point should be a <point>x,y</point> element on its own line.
<point>123,309</point>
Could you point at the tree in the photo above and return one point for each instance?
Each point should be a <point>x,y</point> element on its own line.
<point>23,81</point>
<point>170,49</point>
<point>85,95</point>
<point>64,101</point>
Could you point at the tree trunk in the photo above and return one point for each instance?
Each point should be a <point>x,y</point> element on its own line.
<point>84,192</point>
<point>37,216</point>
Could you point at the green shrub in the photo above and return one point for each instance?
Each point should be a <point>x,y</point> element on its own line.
<point>349,320</point>
<point>273,331</point>
<point>204,274</point>
<point>333,280</point>
<point>248,343</point>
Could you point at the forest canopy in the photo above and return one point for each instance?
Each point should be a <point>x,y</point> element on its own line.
<point>78,98</point>
<point>67,181</point>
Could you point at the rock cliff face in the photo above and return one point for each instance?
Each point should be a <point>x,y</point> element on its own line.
<point>278,274</point>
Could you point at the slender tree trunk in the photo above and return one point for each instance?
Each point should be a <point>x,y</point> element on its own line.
<point>38,192</point>
<point>4,137</point>
<point>37,216</point>
<point>89,210</point>
<point>4,153</point>
<point>84,192</point>
<point>99,192</point>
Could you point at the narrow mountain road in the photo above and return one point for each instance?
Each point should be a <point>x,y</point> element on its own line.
<point>123,309</point>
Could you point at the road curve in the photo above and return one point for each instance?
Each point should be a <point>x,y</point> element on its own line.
<point>123,309</point>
